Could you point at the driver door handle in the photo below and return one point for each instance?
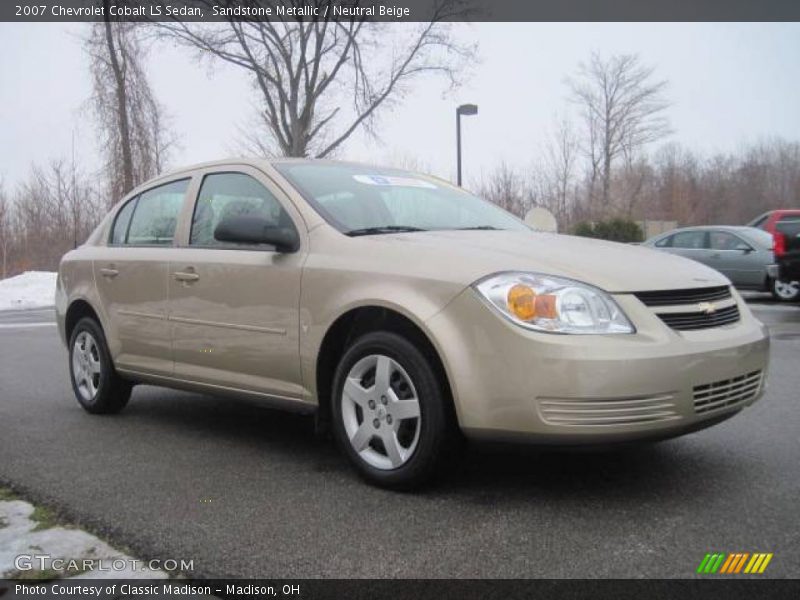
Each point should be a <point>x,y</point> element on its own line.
<point>186,276</point>
<point>109,272</point>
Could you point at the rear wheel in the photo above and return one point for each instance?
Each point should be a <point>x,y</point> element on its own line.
<point>786,291</point>
<point>389,412</point>
<point>97,386</point>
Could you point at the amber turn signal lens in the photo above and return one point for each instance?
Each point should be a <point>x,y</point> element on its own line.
<point>522,302</point>
<point>545,306</point>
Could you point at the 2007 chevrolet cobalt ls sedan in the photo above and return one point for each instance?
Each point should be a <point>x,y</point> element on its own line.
<point>402,310</point>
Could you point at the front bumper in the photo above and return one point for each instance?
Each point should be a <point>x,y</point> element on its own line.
<point>510,383</point>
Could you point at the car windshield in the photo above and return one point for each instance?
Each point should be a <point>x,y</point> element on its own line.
<point>361,200</point>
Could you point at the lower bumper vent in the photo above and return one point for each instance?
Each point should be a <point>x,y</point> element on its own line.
<point>607,411</point>
<point>726,393</point>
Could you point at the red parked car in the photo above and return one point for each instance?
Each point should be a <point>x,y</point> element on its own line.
<point>784,225</point>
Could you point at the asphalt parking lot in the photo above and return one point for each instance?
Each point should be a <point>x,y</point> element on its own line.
<point>250,492</point>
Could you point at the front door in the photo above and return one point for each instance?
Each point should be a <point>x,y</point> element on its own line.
<point>131,279</point>
<point>736,259</point>
<point>234,309</point>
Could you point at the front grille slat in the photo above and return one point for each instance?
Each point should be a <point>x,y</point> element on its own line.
<point>678,297</point>
<point>726,393</point>
<point>692,320</point>
<point>701,320</point>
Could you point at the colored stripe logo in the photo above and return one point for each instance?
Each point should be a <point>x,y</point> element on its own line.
<point>734,563</point>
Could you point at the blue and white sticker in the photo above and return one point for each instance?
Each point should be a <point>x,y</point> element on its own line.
<point>391,181</point>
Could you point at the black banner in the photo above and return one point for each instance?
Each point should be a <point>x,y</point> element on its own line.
<point>400,10</point>
<point>402,589</point>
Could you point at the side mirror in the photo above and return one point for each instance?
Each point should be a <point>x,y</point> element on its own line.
<point>254,230</point>
<point>744,248</point>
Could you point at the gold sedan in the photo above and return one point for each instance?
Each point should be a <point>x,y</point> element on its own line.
<point>404,312</point>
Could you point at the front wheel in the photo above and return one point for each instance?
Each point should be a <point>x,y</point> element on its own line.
<point>389,412</point>
<point>97,385</point>
<point>786,291</point>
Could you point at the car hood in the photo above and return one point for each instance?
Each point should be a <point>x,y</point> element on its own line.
<point>466,256</point>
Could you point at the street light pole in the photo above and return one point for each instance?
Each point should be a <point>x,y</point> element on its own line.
<point>467,110</point>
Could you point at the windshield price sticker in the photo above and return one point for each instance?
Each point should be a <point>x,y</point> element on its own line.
<point>384,180</point>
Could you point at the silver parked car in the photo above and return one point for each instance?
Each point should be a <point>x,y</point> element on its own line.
<point>744,254</point>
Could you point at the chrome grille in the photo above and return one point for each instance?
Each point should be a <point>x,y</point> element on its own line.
<point>691,296</point>
<point>726,392</point>
<point>599,412</point>
<point>704,312</point>
<point>686,321</point>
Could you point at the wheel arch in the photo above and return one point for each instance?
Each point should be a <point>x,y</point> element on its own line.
<point>354,323</point>
<point>77,310</point>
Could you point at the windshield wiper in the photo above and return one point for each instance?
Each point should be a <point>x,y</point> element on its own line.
<point>479,228</point>
<point>383,229</point>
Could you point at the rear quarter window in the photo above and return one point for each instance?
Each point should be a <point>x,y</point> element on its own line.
<point>664,242</point>
<point>120,231</point>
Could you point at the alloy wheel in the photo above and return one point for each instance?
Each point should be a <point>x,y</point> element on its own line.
<point>787,290</point>
<point>86,366</point>
<point>381,412</point>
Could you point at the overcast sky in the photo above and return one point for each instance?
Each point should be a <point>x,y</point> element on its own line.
<point>729,83</point>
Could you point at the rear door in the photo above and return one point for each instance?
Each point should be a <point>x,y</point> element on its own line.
<point>234,309</point>
<point>691,244</point>
<point>132,278</point>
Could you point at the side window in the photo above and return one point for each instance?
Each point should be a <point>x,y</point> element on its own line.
<point>665,242</point>
<point>695,240</point>
<point>156,215</point>
<point>721,240</point>
<point>226,195</point>
<point>788,226</point>
<point>120,230</point>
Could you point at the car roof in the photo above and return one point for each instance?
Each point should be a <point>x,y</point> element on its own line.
<point>784,211</point>
<point>732,228</point>
<point>749,232</point>
<point>261,162</point>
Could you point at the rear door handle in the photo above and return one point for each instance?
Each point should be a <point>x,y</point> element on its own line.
<point>109,272</point>
<point>186,276</point>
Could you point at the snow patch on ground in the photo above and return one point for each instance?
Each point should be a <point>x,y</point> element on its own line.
<point>19,537</point>
<point>32,289</point>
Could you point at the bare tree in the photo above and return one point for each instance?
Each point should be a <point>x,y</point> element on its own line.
<point>560,170</point>
<point>322,79</point>
<point>133,132</point>
<point>505,188</point>
<point>55,209</point>
<point>622,108</point>
<point>5,228</point>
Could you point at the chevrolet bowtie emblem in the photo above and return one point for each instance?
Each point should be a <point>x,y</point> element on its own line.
<point>708,308</point>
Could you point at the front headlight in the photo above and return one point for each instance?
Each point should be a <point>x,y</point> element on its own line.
<point>553,304</point>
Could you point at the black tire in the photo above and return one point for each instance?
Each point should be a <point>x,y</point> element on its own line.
<point>112,391</point>
<point>438,435</point>
<point>784,296</point>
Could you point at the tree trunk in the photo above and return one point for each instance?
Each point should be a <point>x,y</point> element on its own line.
<point>122,107</point>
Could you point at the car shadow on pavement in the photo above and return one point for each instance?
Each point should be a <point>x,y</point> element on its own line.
<point>485,474</point>
<point>662,468</point>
